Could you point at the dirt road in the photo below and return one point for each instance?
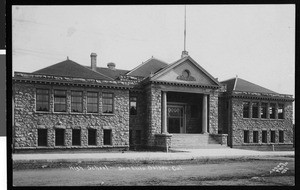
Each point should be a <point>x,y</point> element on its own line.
<point>252,172</point>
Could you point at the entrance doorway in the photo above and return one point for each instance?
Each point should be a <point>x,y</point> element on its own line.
<point>176,119</point>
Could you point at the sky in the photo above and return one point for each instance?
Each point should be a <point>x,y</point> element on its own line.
<point>255,42</point>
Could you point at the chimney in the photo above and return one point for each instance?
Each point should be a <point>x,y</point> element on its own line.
<point>93,61</point>
<point>111,66</point>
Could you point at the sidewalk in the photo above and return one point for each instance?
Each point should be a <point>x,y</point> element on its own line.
<point>190,154</point>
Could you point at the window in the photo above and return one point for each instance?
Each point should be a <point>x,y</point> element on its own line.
<point>76,137</point>
<point>42,137</point>
<point>60,101</point>
<point>246,136</point>
<point>264,137</point>
<point>130,136</point>
<point>255,110</point>
<point>76,101</point>
<point>133,110</point>
<point>272,136</point>
<point>195,113</point>
<point>42,100</point>
<point>138,136</point>
<point>59,137</point>
<point>281,137</point>
<point>246,109</point>
<point>107,137</point>
<point>255,136</point>
<point>107,105</point>
<point>92,136</point>
<point>272,110</point>
<point>280,111</point>
<point>92,102</point>
<point>263,110</point>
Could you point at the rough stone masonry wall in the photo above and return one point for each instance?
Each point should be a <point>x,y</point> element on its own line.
<point>153,95</point>
<point>213,112</point>
<point>239,124</point>
<point>27,120</point>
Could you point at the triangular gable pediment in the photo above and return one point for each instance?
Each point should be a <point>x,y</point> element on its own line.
<point>185,70</point>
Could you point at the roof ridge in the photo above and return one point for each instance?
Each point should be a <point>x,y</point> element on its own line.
<point>51,65</point>
<point>143,63</point>
<point>109,68</point>
<point>92,70</point>
<point>228,79</point>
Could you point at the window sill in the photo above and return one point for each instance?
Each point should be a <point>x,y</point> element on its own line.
<point>56,112</point>
<point>263,119</point>
<point>42,112</point>
<point>108,114</point>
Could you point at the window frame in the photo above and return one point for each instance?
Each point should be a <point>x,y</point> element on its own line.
<point>255,137</point>
<point>281,136</point>
<point>130,105</point>
<point>92,103</point>
<point>74,141</point>
<point>272,106</point>
<point>257,110</point>
<point>42,140</point>
<point>94,139</point>
<point>107,134</point>
<point>279,106</point>
<point>273,136</point>
<point>246,110</point>
<point>130,137</point>
<point>264,136</point>
<point>76,102</point>
<point>263,109</point>
<point>246,136</point>
<point>104,104</point>
<point>60,103</point>
<point>59,142</point>
<point>39,101</point>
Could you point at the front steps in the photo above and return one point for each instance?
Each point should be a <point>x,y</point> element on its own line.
<point>194,141</point>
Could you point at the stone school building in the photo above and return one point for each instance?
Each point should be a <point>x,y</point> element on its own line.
<point>156,105</point>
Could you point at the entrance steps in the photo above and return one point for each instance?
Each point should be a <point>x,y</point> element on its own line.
<point>194,141</point>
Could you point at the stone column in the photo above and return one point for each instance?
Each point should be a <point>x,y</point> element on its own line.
<point>164,113</point>
<point>204,114</point>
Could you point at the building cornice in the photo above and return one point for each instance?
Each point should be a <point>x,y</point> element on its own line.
<point>64,80</point>
<point>185,84</point>
<point>260,96</point>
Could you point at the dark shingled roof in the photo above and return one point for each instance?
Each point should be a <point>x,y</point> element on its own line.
<point>238,84</point>
<point>112,73</point>
<point>72,69</point>
<point>150,66</point>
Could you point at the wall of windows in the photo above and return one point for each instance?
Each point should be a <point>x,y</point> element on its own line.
<point>264,136</point>
<point>77,103</point>
<point>263,110</point>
